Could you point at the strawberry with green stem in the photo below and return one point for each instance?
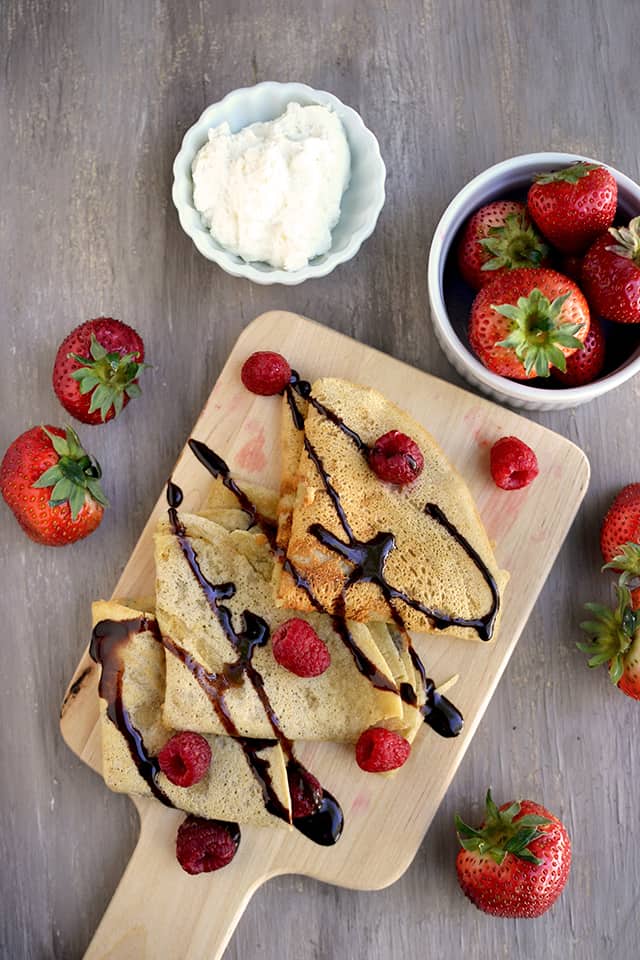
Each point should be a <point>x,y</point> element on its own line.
<point>615,640</point>
<point>499,237</point>
<point>572,206</point>
<point>52,486</point>
<point>517,863</point>
<point>611,274</point>
<point>620,536</point>
<point>527,321</point>
<point>96,369</point>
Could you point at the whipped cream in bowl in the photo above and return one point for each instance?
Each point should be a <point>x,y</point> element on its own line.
<point>272,191</point>
<point>279,183</point>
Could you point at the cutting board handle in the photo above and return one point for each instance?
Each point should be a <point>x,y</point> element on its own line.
<point>144,921</point>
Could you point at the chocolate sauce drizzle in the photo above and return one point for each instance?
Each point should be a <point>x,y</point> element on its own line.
<point>219,469</point>
<point>438,712</point>
<point>107,640</point>
<point>369,557</point>
<point>324,826</point>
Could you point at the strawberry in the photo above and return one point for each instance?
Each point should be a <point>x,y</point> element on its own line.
<point>584,365</point>
<point>517,863</point>
<point>96,369</point>
<point>615,640</point>
<point>52,486</point>
<point>497,238</point>
<point>622,522</point>
<point>527,321</point>
<point>611,274</point>
<point>572,206</point>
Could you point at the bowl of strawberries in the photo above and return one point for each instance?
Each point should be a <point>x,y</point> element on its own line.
<point>534,280</point>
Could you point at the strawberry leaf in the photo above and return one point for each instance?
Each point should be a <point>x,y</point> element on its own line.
<point>611,632</point>
<point>108,377</point>
<point>49,478</point>
<point>627,561</point>
<point>74,476</point>
<point>616,669</point>
<point>572,174</point>
<point>537,332</point>
<point>628,245</point>
<point>97,351</point>
<point>515,244</point>
<point>502,833</point>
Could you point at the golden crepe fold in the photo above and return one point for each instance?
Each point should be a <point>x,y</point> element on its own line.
<point>427,563</point>
<point>229,790</point>
<point>337,705</point>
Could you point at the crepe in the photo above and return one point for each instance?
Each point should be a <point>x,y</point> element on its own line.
<point>229,790</point>
<point>427,564</point>
<point>221,505</point>
<point>337,705</point>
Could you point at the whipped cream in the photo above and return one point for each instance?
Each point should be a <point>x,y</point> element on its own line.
<point>272,191</point>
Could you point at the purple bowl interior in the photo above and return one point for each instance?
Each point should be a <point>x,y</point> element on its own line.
<point>623,340</point>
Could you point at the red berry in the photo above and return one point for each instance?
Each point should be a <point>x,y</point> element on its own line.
<point>306,791</point>
<point>521,321</point>
<point>185,758</point>
<point>206,845</point>
<point>378,750</point>
<point>584,365</point>
<point>298,648</point>
<point>396,458</point>
<point>573,205</point>
<point>265,373</point>
<point>499,237</point>
<point>517,863</point>
<point>513,464</point>
<point>611,274</point>
<point>622,523</point>
<point>52,486</point>
<point>96,369</point>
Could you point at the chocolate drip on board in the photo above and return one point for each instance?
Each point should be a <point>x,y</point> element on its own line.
<point>256,633</point>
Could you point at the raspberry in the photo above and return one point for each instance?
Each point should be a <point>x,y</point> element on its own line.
<point>306,791</point>
<point>185,758</point>
<point>206,845</point>
<point>298,648</point>
<point>513,463</point>
<point>378,750</point>
<point>396,458</point>
<point>265,373</point>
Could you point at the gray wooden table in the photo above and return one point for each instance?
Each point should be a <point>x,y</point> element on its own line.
<point>95,98</point>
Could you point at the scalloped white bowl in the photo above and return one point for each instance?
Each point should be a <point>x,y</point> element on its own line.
<point>361,203</point>
<point>450,319</point>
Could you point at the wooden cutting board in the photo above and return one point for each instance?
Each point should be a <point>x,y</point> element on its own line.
<point>158,910</point>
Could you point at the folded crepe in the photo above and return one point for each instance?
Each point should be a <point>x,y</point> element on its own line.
<point>229,790</point>
<point>337,705</point>
<point>441,560</point>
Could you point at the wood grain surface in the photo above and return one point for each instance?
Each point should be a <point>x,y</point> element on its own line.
<point>94,100</point>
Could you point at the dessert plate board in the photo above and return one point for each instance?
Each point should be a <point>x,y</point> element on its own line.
<point>385,818</point>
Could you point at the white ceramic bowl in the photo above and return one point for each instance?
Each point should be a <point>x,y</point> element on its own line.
<point>450,300</point>
<point>361,203</point>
